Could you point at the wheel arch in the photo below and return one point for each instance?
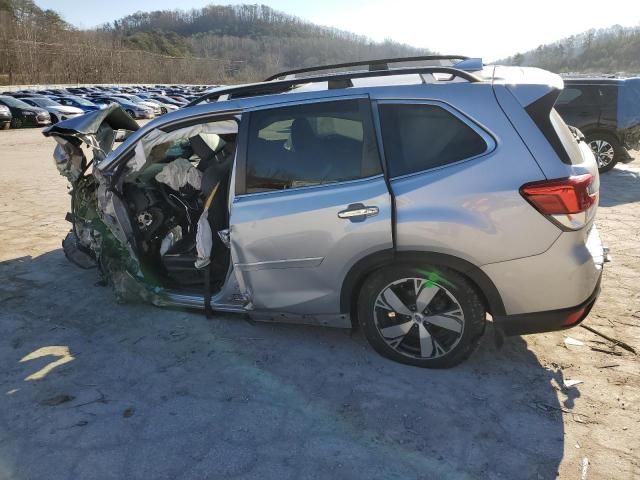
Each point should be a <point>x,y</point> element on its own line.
<point>599,130</point>
<point>358,273</point>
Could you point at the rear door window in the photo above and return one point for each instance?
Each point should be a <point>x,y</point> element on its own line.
<point>419,137</point>
<point>310,144</point>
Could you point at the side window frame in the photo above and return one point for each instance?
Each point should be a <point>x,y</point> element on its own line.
<point>482,131</point>
<point>243,142</point>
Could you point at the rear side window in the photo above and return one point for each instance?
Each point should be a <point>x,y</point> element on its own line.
<point>579,96</point>
<point>310,144</point>
<point>609,95</point>
<point>418,137</point>
<point>568,140</point>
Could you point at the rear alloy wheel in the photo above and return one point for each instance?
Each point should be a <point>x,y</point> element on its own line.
<point>428,317</point>
<point>606,149</point>
<point>16,123</point>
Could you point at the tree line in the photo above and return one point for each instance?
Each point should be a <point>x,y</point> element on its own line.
<point>211,45</point>
<point>609,50</point>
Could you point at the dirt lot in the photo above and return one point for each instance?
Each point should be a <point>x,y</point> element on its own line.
<point>94,389</point>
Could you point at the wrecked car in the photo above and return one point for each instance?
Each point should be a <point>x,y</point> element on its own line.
<point>412,202</point>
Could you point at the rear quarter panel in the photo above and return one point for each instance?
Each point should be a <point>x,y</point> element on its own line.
<point>473,209</point>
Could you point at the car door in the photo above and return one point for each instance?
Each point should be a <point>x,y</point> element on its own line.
<point>310,200</point>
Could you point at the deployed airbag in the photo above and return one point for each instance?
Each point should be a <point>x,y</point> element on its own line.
<point>180,173</point>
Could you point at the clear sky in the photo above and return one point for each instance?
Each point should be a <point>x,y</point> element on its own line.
<point>488,29</point>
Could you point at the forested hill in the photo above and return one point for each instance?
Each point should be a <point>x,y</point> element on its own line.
<point>611,50</point>
<point>254,40</point>
<point>214,44</point>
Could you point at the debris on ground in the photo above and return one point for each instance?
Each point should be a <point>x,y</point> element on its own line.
<point>608,352</point>
<point>572,341</point>
<point>584,469</point>
<point>572,383</point>
<point>128,412</point>
<point>616,342</point>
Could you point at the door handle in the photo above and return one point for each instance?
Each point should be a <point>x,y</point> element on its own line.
<point>358,212</point>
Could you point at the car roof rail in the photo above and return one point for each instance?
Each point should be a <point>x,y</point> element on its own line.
<point>372,65</point>
<point>334,80</point>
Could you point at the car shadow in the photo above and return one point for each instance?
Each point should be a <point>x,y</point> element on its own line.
<point>167,393</point>
<point>619,186</point>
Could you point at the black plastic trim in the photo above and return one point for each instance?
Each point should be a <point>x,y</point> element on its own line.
<point>540,113</point>
<point>364,267</point>
<point>547,321</point>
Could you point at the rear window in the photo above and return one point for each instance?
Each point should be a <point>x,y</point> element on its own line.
<point>419,137</point>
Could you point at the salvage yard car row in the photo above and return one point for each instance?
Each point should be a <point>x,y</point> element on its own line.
<point>35,108</point>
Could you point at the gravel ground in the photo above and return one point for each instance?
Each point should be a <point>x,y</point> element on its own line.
<point>94,389</point>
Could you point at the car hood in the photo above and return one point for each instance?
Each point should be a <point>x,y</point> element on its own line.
<point>97,129</point>
<point>34,110</point>
<point>66,109</point>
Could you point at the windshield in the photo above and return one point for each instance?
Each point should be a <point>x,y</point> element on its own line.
<point>123,101</point>
<point>14,102</point>
<point>164,98</point>
<point>82,101</point>
<point>44,102</point>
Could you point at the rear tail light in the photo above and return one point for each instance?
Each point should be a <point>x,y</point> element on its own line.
<point>567,201</point>
<point>575,317</point>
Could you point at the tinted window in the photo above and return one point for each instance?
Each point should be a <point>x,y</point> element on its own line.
<point>609,96</point>
<point>419,137</point>
<point>576,96</point>
<point>568,95</point>
<point>310,144</point>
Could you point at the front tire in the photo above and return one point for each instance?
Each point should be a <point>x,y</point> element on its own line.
<point>428,317</point>
<point>607,150</point>
<point>131,114</point>
<point>16,123</point>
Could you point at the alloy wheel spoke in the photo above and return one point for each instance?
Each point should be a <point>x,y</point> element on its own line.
<point>426,342</point>
<point>450,323</point>
<point>425,296</point>
<point>396,331</point>
<point>394,302</point>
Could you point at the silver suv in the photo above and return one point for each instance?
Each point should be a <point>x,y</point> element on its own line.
<point>410,197</point>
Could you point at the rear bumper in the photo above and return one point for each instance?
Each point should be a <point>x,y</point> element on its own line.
<point>526,323</point>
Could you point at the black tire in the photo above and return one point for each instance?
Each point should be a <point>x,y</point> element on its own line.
<point>457,286</point>
<point>54,119</point>
<point>16,123</point>
<point>131,114</point>
<point>5,126</point>
<point>601,140</point>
